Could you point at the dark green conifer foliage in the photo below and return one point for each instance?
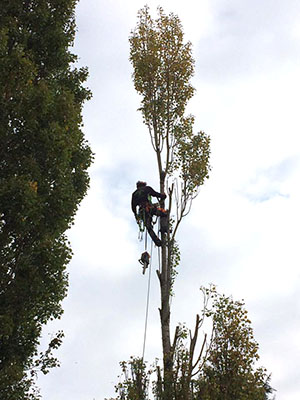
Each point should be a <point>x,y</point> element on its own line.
<point>43,177</point>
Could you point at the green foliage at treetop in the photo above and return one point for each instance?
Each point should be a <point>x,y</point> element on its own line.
<point>43,176</point>
<point>162,69</point>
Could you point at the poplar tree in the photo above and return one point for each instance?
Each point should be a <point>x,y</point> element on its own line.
<point>162,69</point>
<point>223,363</point>
<point>43,177</point>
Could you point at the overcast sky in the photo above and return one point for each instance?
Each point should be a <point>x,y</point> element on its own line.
<point>244,228</point>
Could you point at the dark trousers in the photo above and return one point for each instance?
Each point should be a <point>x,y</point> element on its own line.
<point>150,211</point>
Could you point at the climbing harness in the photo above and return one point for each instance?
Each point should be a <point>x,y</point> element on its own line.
<point>141,221</point>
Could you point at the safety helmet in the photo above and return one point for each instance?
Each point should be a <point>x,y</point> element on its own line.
<point>140,184</point>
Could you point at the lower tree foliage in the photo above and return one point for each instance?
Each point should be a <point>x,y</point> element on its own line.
<point>229,371</point>
<point>224,368</point>
<point>43,177</point>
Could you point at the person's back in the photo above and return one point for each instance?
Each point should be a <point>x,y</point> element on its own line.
<point>141,195</point>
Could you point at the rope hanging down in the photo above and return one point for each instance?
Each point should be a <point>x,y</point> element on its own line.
<point>148,291</point>
<point>147,303</point>
<point>158,250</point>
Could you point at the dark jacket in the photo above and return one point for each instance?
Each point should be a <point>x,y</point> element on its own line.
<point>141,197</point>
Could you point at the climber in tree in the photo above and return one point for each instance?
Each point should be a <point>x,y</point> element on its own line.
<point>142,198</point>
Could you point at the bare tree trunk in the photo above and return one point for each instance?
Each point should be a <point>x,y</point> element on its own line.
<point>164,279</point>
<point>165,322</point>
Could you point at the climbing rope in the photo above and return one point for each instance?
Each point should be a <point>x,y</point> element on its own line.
<point>149,281</point>
<point>158,256</point>
<point>158,248</point>
<point>147,303</point>
<point>146,235</point>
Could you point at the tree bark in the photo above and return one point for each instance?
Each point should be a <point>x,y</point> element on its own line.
<point>164,279</point>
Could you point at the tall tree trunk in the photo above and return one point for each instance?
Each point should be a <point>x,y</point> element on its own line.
<point>164,279</point>
<point>163,65</point>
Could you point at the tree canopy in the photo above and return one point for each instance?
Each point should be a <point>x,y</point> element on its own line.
<point>43,174</point>
<point>163,66</point>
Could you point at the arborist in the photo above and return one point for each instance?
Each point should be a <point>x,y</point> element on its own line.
<point>142,198</point>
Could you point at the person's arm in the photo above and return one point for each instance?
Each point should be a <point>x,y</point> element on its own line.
<point>152,192</point>
<point>133,205</point>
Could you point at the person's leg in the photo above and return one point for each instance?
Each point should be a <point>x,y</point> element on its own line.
<point>164,218</point>
<point>151,232</point>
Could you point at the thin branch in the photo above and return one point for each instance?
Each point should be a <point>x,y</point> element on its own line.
<point>193,343</point>
<point>200,355</point>
<point>207,351</point>
<point>176,337</point>
<point>151,137</point>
